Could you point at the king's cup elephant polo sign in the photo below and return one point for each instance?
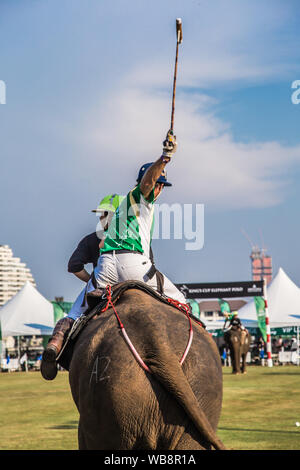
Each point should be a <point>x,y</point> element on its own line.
<point>221,289</point>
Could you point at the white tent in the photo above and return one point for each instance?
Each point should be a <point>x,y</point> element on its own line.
<point>27,313</point>
<point>283,297</point>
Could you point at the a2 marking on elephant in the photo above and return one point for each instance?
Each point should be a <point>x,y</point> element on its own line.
<point>124,407</point>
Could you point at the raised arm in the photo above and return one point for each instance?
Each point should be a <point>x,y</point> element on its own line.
<point>154,171</point>
<point>151,176</point>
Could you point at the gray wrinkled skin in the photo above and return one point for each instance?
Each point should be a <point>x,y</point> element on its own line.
<point>121,406</point>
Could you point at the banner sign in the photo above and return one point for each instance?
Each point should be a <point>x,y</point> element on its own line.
<point>222,289</point>
<point>284,331</point>
<point>60,309</point>
<point>224,306</point>
<point>261,316</point>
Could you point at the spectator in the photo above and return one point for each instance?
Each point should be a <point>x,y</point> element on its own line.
<point>279,344</point>
<point>223,355</point>
<point>262,356</point>
<point>294,345</point>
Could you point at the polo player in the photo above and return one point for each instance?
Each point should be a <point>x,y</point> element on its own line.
<point>234,321</point>
<point>125,254</point>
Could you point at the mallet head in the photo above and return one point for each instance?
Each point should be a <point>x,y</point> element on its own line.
<point>179,30</point>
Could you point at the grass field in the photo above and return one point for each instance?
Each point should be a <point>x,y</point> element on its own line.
<point>259,411</point>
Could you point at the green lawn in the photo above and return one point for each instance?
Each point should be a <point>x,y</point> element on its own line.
<point>36,414</point>
<point>260,410</point>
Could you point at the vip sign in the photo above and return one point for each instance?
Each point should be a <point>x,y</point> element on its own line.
<point>2,92</point>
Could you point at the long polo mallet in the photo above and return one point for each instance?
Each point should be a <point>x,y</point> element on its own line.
<point>179,41</point>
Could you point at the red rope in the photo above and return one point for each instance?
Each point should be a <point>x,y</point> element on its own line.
<point>110,302</point>
<point>180,306</point>
<point>132,348</point>
<point>185,308</point>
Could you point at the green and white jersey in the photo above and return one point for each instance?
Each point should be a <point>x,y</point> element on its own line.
<point>131,227</point>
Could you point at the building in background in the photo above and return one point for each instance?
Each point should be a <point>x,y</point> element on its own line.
<point>13,274</point>
<point>256,263</point>
<point>210,309</point>
<point>261,262</point>
<point>267,270</point>
<point>261,265</point>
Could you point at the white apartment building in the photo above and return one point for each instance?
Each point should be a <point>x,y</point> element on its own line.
<point>13,274</point>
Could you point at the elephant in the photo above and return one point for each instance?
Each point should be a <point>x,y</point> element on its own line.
<point>238,343</point>
<point>124,407</point>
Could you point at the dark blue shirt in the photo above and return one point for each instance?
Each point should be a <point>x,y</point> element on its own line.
<point>86,252</point>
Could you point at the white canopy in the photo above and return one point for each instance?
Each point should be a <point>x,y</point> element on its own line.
<point>27,313</point>
<point>283,297</point>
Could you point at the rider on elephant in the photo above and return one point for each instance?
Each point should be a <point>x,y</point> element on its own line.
<point>87,251</point>
<point>234,321</point>
<point>125,254</point>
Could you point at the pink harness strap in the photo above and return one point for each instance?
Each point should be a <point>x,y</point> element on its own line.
<point>182,307</point>
<point>185,309</point>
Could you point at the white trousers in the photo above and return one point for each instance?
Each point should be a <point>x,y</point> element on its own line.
<point>113,268</point>
<point>79,306</point>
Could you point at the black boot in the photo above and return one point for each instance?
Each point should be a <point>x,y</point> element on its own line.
<point>60,332</point>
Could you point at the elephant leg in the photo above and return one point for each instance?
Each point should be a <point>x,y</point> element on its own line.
<point>81,439</point>
<point>235,359</point>
<point>243,363</point>
<point>231,353</point>
<point>238,360</point>
<point>235,353</point>
<point>236,369</point>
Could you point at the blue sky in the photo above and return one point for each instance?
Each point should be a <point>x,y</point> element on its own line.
<point>88,102</point>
